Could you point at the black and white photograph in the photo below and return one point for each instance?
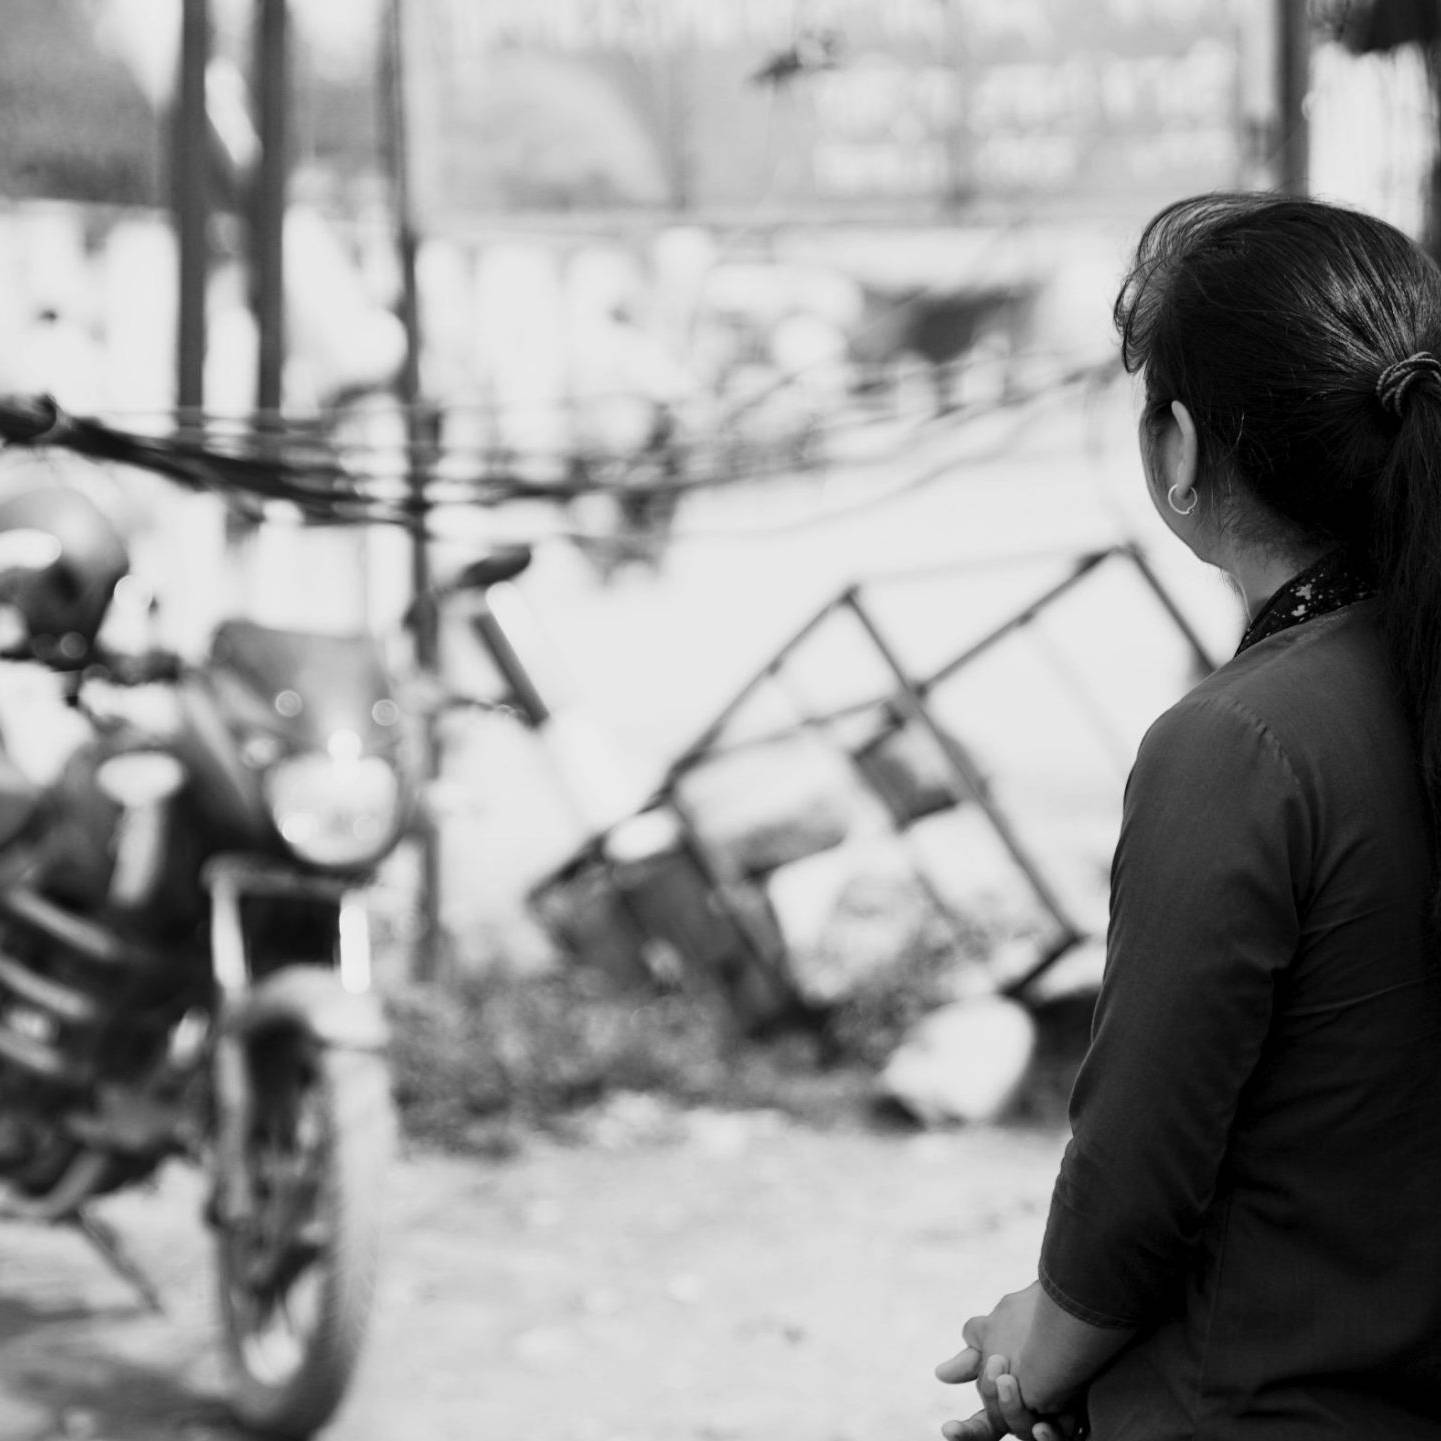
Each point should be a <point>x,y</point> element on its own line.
<point>720,720</point>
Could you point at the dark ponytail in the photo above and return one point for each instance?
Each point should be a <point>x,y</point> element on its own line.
<point>1306,341</point>
<point>1407,549</point>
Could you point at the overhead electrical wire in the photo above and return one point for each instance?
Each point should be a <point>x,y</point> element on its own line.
<point>256,468</point>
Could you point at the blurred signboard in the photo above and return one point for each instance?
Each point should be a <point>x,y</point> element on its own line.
<point>554,105</point>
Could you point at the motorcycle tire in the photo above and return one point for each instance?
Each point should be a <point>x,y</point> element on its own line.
<point>296,1286</point>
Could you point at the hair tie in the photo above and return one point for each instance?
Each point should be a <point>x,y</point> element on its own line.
<point>1395,382</point>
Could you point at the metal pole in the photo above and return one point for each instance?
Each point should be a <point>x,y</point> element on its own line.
<point>911,703</point>
<point>1293,64</point>
<point>421,429</point>
<point>422,435</point>
<point>707,738</point>
<point>1084,566</point>
<point>190,200</point>
<point>268,203</point>
<point>267,230</point>
<point>1204,659</point>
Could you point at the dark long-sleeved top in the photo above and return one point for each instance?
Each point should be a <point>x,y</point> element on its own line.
<point>1254,1178</point>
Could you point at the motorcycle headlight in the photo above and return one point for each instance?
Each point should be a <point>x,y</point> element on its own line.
<point>335,811</point>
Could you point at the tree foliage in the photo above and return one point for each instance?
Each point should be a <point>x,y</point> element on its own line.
<point>75,123</point>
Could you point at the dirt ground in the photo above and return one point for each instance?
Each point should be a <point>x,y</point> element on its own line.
<point>721,1276</point>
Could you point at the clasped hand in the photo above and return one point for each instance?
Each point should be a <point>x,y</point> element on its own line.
<point>993,1355</point>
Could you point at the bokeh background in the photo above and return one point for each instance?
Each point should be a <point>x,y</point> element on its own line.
<point>779,332</point>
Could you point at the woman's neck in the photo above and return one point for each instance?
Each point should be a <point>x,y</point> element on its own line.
<point>1258,573</point>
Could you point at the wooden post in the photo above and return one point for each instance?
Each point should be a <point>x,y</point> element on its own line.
<point>190,201</point>
<point>1293,70</point>
<point>267,215</point>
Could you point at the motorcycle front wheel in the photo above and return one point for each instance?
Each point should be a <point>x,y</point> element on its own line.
<point>297,1276</point>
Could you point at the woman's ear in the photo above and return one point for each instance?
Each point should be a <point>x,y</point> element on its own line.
<point>1181,451</point>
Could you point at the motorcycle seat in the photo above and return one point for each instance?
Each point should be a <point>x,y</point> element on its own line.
<point>19,801</point>
<point>503,564</point>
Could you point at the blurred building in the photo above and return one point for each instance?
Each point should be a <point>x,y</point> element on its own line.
<point>657,207</point>
<point>846,109</point>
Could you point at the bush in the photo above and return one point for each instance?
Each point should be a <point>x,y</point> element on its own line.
<point>480,1062</point>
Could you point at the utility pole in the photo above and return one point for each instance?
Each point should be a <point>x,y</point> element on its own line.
<point>267,204</point>
<point>1293,73</point>
<point>422,431</point>
<point>190,201</point>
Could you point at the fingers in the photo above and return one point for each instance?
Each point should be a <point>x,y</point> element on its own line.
<point>1005,1413</point>
<point>963,1366</point>
<point>1018,1419</point>
<point>979,1427</point>
<point>995,1367</point>
<point>986,1425</point>
<point>1058,1428</point>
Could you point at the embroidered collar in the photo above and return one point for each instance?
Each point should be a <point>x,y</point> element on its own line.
<point>1333,581</point>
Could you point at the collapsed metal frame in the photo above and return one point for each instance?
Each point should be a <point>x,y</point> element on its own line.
<point>906,705</point>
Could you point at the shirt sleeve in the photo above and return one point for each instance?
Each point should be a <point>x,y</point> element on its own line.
<point>1212,856</point>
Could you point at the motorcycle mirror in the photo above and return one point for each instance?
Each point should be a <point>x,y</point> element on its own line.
<point>505,563</point>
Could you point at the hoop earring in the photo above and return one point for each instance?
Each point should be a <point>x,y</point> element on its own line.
<point>1171,501</point>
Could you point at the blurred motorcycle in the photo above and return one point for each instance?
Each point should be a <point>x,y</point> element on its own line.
<point>185,966</point>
